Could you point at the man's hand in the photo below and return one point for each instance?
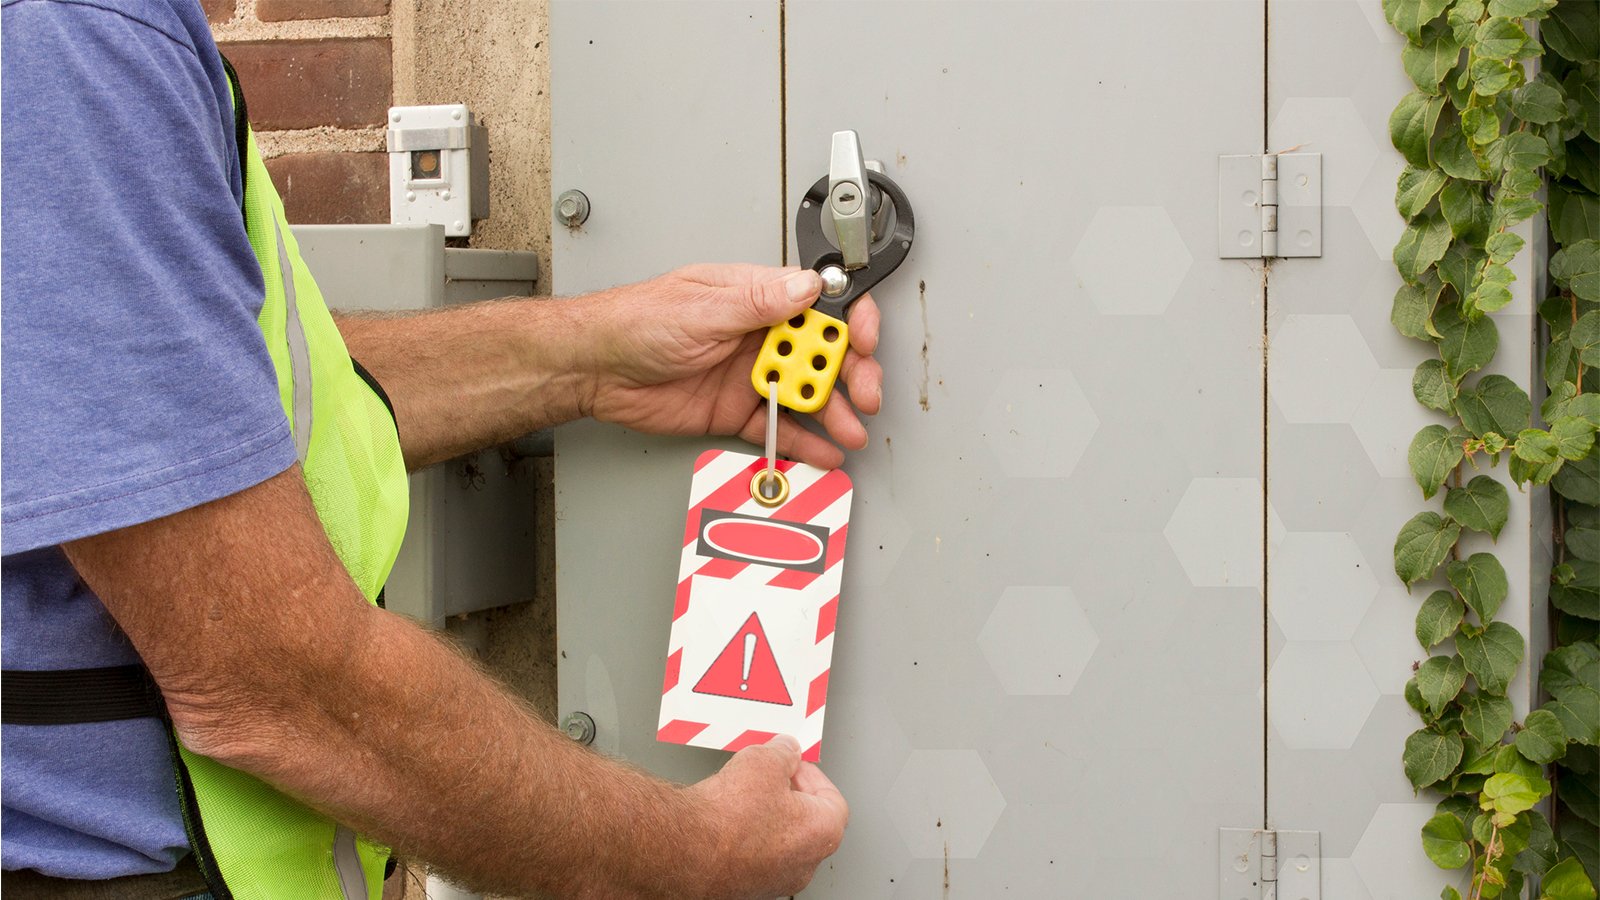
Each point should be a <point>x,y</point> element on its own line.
<point>673,356</point>
<point>778,817</point>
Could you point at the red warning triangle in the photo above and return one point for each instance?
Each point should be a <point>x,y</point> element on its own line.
<point>746,669</point>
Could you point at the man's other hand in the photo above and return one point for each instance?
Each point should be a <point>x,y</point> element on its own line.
<point>673,355</point>
<point>777,817</point>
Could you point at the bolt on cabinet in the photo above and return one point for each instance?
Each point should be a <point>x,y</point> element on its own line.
<point>1120,572</point>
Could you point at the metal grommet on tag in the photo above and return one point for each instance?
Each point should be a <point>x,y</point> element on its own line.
<point>769,487</point>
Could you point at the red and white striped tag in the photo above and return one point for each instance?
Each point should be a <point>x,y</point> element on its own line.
<point>752,619</point>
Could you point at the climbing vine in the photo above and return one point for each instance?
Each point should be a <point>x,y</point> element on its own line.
<point>1499,114</point>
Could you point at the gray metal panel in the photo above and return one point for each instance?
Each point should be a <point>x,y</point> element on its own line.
<point>1043,599</point>
<point>1065,613</point>
<point>666,115</point>
<point>470,537</point>
<point>1341,417</point>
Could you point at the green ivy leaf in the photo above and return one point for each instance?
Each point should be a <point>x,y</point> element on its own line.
<point>1567,880</point>
<point>1430,757</point>
<point>1463,20</point>
<point>1581,406</point>
<point>1510,211</point>
<point>1412,313</point>
<point>1438,619</point>
<point>1577,267</point>
<point>1573,31</point>
<point>1466,346</point>
<point>1582,841</point>
<point>1449,893</point>
<point>1464,207</point>
<point>1542,738</point>
<point>1565,669</point>
<point>1485,717</point>
<point>1583,163</point>
<point>1583,98</point>
<point>1421,245</point>
<point>1521,182</point>
<point>1499,38</point>
<point>1503,247</point>
<point>1491,655</point>
<point>1493,443</point>
<point>1508,759</point>
<point>1536,446</point>
<point>1413,695</point>
<point>1580,481</point>
<point>1584,335</point>
<point>1493,291</point>
<point>1434,454</point>
<point>1452,153</point>
<point>1482,583</point>
<point>1428,60</point>
<point>1440,679</point>
<point>1481,124</point>
<point>1512,794</point>
<point>1432,386</point>
<point>1579,711</point>
<point>1493,76</point>
<point>1519,150</point>
<point>1539,102</point>
<point>1483,505</point>
<point>1524,472</point>
<point>1416,189</point>
<point>1519,9</point>
<point>1408,16</point>
<point>1541,852</point>
<point>1582,797</point>
<point>1573,436</point>
<point>1574,215</point>
<point>1495,403</point>
<point>1445,841</point>
<point>1412,124</point>
<point>1422,545</point>
<point>1460,265</point>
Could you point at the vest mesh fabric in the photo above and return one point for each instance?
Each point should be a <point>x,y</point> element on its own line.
<point>264,845</point>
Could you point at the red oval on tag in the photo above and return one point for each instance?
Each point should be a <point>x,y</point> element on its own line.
<point>764,542</point>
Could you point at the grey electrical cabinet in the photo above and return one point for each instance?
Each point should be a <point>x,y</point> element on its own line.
<point>469,543</point>
<point>1119,595</point>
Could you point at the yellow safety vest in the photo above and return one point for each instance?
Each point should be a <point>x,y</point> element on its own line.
<point>251,841</point>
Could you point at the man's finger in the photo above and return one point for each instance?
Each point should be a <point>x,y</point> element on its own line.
<point>810,781</point>
<point>863,377</point>
<point>733,274</point>
<point>863,322</point>
<point>759,304</point>
<point>839,420</point>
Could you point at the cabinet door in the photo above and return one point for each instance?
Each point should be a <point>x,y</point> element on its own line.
<point>1049,660</point>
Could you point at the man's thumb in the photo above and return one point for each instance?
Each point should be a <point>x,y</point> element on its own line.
<point>770,302</point>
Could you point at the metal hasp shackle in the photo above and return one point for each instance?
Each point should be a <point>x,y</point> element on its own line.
<point>800,359</point>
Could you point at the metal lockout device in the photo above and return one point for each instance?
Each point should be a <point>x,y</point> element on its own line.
<point>800,359</point>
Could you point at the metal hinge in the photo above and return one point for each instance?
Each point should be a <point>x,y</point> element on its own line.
<point>1269,206</point>
<point>1253,864</point>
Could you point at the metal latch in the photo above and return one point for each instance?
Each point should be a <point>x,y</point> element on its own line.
<point>1254,864</point>
<point>1269,206</point>
<point>848,204</point>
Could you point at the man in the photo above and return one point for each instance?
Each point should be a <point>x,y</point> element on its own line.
<point>200,482</point>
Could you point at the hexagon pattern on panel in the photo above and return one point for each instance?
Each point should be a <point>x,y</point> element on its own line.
<point>1216,556</point>
<point>1038,423</point>
<point>945,804</point>
<point>1321,586</point>
<point>1386,639</point>
<point>1038,640</point>
<point>1319,695</point>
<point>1333,127</point>
<point>1131,260</point>
<point>1321,368</point>
<point>1374,205</point>
<point>1386,857</point>
<point>1386,420</point>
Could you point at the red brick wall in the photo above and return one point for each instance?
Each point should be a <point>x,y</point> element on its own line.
<point>318,80</point>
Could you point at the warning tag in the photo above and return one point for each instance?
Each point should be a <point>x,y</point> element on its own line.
<point>753,614</point>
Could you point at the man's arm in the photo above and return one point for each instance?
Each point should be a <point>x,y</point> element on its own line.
<point>671,355</point>
<point>271,662</point>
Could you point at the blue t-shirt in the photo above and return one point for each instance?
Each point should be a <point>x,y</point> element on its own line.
<point>134,379</point>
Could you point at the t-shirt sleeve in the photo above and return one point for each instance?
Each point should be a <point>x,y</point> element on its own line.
<point>134,377</point>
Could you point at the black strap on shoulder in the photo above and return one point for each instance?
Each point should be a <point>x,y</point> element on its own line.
<point>78,696</point>
<point>241,127</point>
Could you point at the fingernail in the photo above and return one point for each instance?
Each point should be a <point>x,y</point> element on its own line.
<point>787,740</point>
<point>802,284</point>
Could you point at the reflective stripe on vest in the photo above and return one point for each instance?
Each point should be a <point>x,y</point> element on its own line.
<point>251,841</point>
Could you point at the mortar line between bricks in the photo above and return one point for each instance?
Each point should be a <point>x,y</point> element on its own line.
<point>322,139</point>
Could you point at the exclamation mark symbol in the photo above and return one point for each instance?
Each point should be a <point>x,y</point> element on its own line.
<point>749,656</point>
